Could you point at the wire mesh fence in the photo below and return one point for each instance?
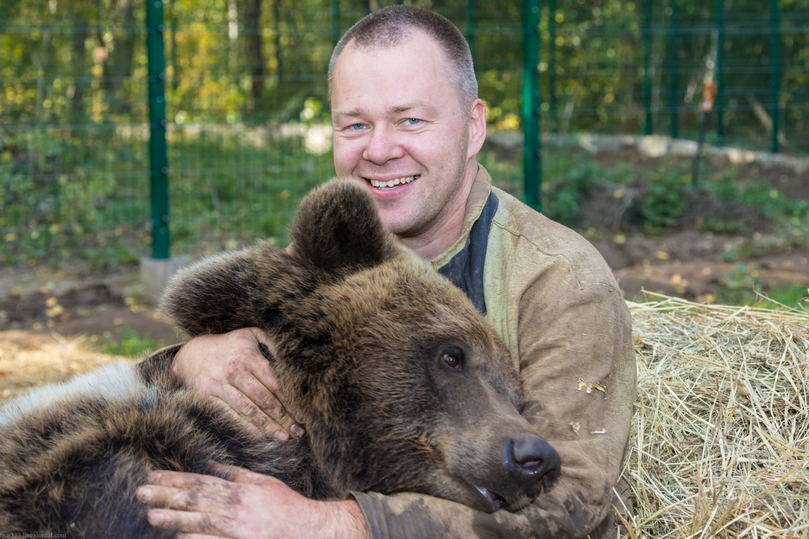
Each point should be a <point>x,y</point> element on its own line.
<point>247,113</point>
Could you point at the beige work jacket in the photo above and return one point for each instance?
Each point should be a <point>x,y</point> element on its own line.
<point>556,304</point>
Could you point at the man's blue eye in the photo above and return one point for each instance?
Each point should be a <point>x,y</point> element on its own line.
<point>413,121</point>
<point>356,127</point>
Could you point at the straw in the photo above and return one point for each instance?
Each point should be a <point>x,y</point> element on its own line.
<point>720,440</point>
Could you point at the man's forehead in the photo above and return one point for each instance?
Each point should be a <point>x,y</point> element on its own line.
<point>360,111</point>
<point>422,61</point>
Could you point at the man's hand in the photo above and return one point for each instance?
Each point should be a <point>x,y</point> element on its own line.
<point>249,505</point>
<point>231,370</point>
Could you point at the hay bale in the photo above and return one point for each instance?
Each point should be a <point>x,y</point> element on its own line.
<point>720,441</point>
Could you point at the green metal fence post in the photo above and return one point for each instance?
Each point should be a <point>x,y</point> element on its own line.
<point>158,156</point>
<point>335,21</point>
<point>532,161</point>
<point>647,53</point>
<point>674,70</point>
<point>552,64</point>
<point>775,69</point>
<point>719,102</point>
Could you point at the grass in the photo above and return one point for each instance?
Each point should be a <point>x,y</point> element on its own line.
<point>776,297</point>
<point>130,345</point>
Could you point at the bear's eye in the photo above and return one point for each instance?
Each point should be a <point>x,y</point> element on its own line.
<point>451,361</point>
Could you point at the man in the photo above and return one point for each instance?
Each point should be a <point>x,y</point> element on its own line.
<point>408,125</point>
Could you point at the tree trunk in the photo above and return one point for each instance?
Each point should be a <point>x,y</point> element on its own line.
<point>78,57</point>
<point>277,41</point>
<point>42,60</point>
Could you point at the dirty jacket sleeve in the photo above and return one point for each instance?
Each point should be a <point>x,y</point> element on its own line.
<point>568,329</point>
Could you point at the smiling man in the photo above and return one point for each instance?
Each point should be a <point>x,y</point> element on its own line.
<point>412,139</point>
<point>408,125</point>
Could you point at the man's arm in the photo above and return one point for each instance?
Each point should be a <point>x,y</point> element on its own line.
<point>246,505</point>
<point>231,371</point>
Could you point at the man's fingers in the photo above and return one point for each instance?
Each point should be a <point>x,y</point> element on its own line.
<point>212,526</point>
<point>211,485</point>
<point>246,411</point>
<point>233,368</point>
<point>237,474</point>
<point>269,396</point>
<point>268,400</point>
<point>265,375</point>
<point>183,499</point>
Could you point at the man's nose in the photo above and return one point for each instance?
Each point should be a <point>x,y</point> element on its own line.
<point>383,145</point>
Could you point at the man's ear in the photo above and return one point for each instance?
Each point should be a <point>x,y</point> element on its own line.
<point>477,128</point>
<point>338,228</point>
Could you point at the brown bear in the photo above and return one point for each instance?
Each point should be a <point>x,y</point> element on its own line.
<point>401,384</point>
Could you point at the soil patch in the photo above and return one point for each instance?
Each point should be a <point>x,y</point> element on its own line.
<point>711,243</point>
<point>97,308</point>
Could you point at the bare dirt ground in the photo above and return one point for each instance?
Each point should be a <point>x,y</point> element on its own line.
<point>684,260</point>
<point>53,326</point>
<point>78,311</point>
<point>686,265</point>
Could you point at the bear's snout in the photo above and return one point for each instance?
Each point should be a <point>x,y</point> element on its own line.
<point>531,463</point>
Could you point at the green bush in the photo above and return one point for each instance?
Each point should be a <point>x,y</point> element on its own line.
<point>666,199</point>
<point>562,197</point>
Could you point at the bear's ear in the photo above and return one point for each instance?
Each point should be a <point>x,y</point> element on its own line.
<point>338,228</point>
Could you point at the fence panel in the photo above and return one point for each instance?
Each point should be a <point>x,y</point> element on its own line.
<point>247,106</point>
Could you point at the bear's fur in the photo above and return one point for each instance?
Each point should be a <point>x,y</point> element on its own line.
<point>401,385</point>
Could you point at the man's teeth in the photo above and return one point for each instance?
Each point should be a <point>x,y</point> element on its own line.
<point>392,183</point>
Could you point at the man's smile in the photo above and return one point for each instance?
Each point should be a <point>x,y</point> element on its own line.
<point>390,184</point>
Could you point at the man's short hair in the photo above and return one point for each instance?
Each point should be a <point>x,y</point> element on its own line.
<point>392,25</point>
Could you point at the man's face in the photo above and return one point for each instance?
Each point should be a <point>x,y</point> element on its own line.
<point>399,127</point>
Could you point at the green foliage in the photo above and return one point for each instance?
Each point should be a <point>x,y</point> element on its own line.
<point>726,226</point>
<point>228,187</point>
<point>130,345</point>
<point>742,287</point>
<point>74,178</point>
<point>764,198</point>
<point>724,188</point>
<point>787,213</point>
<point>507,173</point>
<point>562,196</point>
<point>742,276</point>
<point>777,297</point>
<point>56,202</point>
<point>666,199</point>
<point>213,52</point>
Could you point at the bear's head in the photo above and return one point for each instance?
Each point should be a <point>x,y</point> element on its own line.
<point>401,383</point>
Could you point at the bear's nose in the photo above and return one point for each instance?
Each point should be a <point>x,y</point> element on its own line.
<point>531,463</point>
